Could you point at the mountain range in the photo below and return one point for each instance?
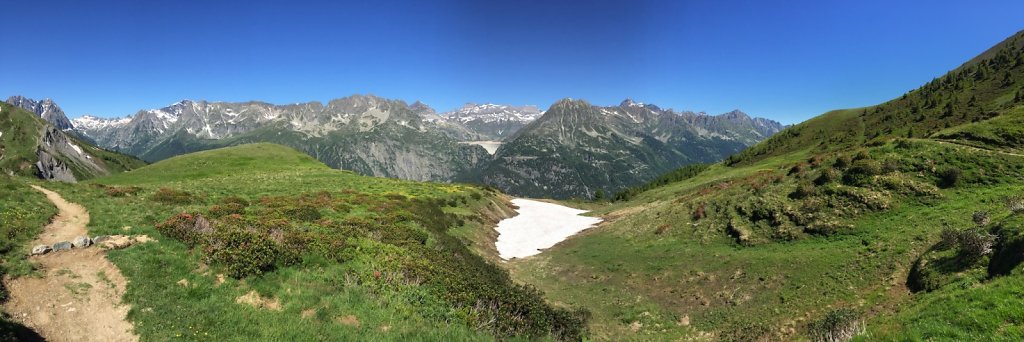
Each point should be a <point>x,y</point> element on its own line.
<point>31,144</point>
<point>611,147</point>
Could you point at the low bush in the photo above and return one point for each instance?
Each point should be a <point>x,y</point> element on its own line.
<point>861,171</point>
<point>121,191</point>
<point>828,175</point>
<point>981,218</point>
<point>189,228</point>
<point>949,177</point>
<point>303,212</point>
<point>171,196</point>
<point>1015,204</point>
<point>220,210</point>
<point>838,325</point>
<point>242,253</point>
<point>971,244</point>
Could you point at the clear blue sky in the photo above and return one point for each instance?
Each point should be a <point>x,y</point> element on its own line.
<point>789,61</point>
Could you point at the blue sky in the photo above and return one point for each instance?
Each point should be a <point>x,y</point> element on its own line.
<point>786,60</point>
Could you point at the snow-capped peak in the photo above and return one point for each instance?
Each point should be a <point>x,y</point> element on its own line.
<point>89,122</point>
<point>490,112</point>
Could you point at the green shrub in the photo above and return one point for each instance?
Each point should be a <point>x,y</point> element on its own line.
<point>950,177</point>
<point>241,252</point>
<point>188,228</point>
<point>171,196</point>
<point>803,190</point>
<point>121,191</point>
<point>837,326</point>
<point>981,218</point>
<point>1009,251</point>
<point>235,200</point>
<point>828,175</point>
<point>1015,204</point>
<point>220,210</point>
<point>861,171</point>
<point>303,212</point>
<point>842,162</point>
<point>971,244</point>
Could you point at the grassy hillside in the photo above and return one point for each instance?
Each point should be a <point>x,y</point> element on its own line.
<point>257,240</point>
<point>21,135</point>
<point>977,91</point>
<point>894,221</point>
<point>23,213</point>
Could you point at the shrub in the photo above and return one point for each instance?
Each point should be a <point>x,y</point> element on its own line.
<point>171,196</point>
<point>699,212</point>
<point>221,210</point>
<point>981,218</point>
<point>828,175</point>
<point>1015,204</point>
<point>190,229</point>
<point>303,212</point>
<point>117,191</point>
<point>971,244</point>
<point>803,190</point>
<point>837,326</point>
<point>949,177</point>
<point>235,200</point>
<point>842,162</point>
<point>242,253</point>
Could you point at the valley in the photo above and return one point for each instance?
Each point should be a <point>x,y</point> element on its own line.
<point>369,218</point>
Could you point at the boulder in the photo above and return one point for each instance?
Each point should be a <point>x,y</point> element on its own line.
<point>41,249</point>
<point>62,246</point>
<point>81,242</point>
<point>98,239</point>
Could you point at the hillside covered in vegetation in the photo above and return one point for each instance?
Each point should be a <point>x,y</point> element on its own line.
<point>256,240</point>
<point>894,221</point>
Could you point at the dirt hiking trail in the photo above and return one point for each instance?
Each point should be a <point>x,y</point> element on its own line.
<point>78,296</point>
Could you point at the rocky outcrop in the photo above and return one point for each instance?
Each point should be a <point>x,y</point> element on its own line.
<point>56,151</point>
<point>46,109</point>
<point>51,168</point>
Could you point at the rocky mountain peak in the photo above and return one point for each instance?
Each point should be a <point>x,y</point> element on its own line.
<point>736,114</point>
<point>46,109</point>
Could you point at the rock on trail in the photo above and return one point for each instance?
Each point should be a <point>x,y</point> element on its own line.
<point>78,297</point>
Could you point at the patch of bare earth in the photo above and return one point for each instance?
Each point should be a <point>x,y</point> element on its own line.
<point>78,296</point>
<point>254,299</point>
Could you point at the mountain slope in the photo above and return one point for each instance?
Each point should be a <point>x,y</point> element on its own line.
<point>976,91</point>
<point>263,239</point>
<point>492,121</point>
<point>29,146</point>
<point>45,109</point>
<point>902,220</point>
<point>366,134</point>
<point>578,150</point>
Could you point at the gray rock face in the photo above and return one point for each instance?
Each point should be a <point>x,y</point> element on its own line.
<point>576,149</point>
<point>62,246</point>
<point>493,121</point>
<point>41,249</point>
<point>81,242</point>
<point>46,109</point>
<point>56,143</point>
<point>363,133</point>
<point>51,168</point>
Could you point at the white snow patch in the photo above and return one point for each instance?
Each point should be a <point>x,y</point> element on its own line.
<point>490,146</point>
<point>539,225</point>
<point>77,149</point>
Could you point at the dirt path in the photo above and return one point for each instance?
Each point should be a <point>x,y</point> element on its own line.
<point>79,294</point>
